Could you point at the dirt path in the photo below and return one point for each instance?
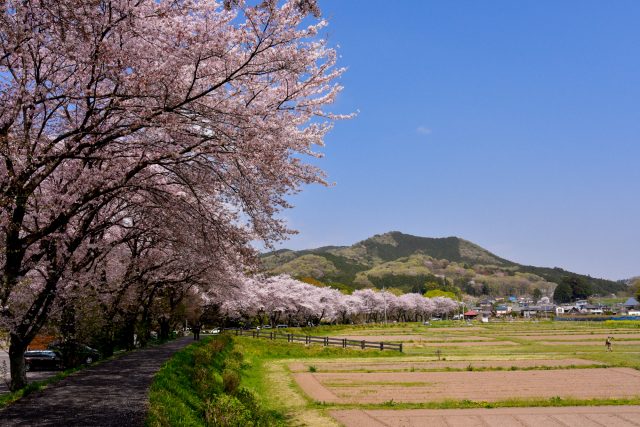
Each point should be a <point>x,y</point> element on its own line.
<point>609,416</point>
<point>113,393</point>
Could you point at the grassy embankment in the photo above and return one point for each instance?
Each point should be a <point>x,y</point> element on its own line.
<point>264,373</point>
<point>232,381</point>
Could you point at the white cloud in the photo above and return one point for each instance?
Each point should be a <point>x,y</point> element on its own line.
<point>423,130</point>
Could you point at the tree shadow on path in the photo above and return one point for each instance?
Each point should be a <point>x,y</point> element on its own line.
<point>114,393</point>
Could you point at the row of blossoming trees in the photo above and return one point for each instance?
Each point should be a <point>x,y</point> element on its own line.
<point>143,146</point>
<point>282,299</point>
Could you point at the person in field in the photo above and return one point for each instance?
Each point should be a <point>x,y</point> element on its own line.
<point>608,343</point>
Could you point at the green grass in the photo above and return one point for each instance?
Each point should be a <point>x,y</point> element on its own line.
<point>176,399</point>
<point>191,385</point>
<point>257,352</point>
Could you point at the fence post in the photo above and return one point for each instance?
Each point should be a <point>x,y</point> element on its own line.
<point>362,344</point>
<point>381,346</point>
<point>344,343</point>
<point>326,341</point>
<point>253,334</point>
<point>271,335</point>
<point>400,347</point>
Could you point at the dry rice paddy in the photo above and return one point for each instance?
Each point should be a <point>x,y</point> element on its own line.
<point>511,364</point>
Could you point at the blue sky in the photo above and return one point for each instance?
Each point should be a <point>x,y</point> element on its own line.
<point>515,125</point>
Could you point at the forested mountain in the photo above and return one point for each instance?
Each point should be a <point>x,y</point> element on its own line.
<point>413,263</point>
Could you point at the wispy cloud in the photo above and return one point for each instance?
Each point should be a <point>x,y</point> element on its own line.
<point>423,130</point>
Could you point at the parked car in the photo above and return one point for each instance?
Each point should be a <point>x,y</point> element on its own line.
<point>75,353</point>
<point>45,360</point>
<point>282,326</point>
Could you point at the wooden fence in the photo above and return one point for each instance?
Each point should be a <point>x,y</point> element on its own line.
<point>309,339</point>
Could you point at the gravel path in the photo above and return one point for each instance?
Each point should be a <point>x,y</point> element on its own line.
<point>113,393</point>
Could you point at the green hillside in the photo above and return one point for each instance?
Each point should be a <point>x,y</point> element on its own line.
<point>414,264</point>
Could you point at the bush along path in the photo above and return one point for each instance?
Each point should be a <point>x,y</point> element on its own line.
<point>227,381</point>
<point>113,393</point>
<point>201,386</point>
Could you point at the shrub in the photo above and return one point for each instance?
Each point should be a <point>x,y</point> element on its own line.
<point>230,381</point>
<point>218,344</point>
<point>203,380</point>
<point>202,356</point>
<point>234,361</point>
<point>227,411</point>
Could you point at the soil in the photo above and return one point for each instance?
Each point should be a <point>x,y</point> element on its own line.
<point>427,330</point>
<point>393,338</point>
<point>312,387</point>
<point>599,342</point>
<point>610,416</point>
<point>576,337</point>
<point>345,387</point>
<point>113,393</point>
<point>463,344</point>
<point>286,396</point>
<point>407,365</point>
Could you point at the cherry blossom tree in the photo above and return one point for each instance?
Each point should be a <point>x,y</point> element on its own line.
<point>282,298</point>
<point>101,99</point>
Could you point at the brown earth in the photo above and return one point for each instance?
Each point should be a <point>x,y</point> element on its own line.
<point>575,337</point>
<point>463,344</point>
<point>391,338</point>
<point>427,329</point>
<point>608,383</point>
<point>601,343</point>
<point>407,365</point>
<point>610,416</point>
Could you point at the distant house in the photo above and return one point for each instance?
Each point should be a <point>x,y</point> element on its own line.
<point>593,309</point>
<point>538,310</point>
<point>502,310</point>
<point>566,309</point>
<point>581,304</point>
<point>471,314</point>
<point>486,304</point>
<point>631,303</point>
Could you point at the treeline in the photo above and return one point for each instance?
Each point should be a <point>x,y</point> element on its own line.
<point>282,299</point>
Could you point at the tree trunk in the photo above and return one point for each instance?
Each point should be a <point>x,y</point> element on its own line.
<point>17,348</point>
<point>108,348</point>
<point>164,328</point>
<point>129,335</point>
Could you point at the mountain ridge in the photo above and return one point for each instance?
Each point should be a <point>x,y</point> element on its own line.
<point>407,262</point>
